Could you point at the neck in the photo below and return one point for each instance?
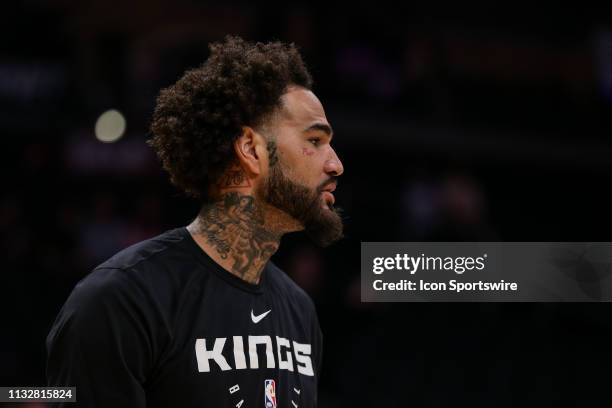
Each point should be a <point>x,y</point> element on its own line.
<point>234,232</point>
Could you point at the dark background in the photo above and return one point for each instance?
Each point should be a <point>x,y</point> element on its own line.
<point>452,124</point>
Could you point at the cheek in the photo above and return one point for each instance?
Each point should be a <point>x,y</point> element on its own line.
<point>302,171</point>
<point>301,164</point>
<point>307,152</point>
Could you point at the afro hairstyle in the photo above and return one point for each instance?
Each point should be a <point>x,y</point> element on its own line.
<point>197,120</point>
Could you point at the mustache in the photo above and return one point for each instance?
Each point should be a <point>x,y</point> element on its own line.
<point>328,182</point>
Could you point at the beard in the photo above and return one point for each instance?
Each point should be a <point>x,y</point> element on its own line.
<point>323,226</point>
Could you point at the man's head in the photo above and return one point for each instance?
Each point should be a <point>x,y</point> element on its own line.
<point>304,168</point>
<point>247,121</point>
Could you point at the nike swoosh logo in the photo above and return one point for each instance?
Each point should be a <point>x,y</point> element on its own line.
<point>258,318</point>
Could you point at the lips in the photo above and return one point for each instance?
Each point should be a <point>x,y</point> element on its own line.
<point>328,197</point>
<point>330,188</point>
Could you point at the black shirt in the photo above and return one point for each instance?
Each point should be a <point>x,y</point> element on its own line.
<point>161,324</point>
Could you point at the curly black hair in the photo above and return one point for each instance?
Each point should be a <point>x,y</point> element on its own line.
<point>197,119</point>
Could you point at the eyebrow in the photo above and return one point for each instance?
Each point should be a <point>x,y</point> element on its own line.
<point>323,127</point>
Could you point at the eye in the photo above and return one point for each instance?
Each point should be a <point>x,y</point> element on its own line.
<point>315,141</point>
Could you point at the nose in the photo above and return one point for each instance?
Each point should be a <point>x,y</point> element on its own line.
<point>333,165</point>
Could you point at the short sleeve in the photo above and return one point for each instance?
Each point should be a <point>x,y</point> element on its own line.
<point>103,341</point>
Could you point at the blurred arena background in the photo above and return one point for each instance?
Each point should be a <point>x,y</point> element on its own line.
<point>485,125</point>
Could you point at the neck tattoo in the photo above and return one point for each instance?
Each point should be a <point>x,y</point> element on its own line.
<point>235,227</point>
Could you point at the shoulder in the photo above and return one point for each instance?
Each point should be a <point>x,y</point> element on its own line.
<point>133,277</point>
<point>153,249</point>
<point>106,291</point>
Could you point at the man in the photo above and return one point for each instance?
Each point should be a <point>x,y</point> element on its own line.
<point>199,316</point>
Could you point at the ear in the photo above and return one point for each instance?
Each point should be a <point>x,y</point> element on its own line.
<point>249,148</point>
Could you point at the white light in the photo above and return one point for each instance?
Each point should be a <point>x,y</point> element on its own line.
<point>110,126</point>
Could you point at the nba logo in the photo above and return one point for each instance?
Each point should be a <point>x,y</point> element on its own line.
<point>270,393</point>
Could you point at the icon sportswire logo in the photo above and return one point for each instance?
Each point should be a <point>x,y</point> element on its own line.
<point>259,318</point>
